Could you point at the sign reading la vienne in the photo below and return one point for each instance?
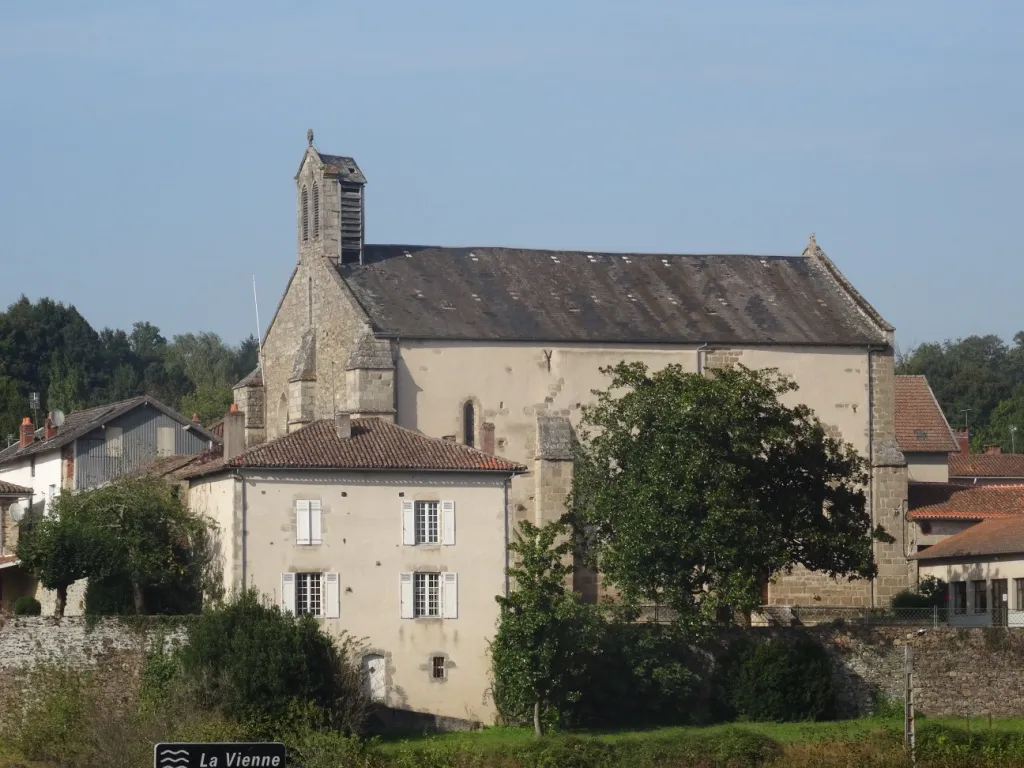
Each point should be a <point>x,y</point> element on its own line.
<point>240,755</point>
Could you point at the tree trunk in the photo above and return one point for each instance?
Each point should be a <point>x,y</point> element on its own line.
<point>140,597</point>
<point>538,729</point>
<point>62,601</point>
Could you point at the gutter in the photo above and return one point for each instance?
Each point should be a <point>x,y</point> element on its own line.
<point>508,512</point>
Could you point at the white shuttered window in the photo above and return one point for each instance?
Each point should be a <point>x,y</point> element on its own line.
<point>308,522</point>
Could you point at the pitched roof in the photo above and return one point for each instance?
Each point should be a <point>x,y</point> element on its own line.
<point>986,465</point>
<point>920,424</point>
<point>78,423</point>
<point>989,537</point>
<point>374,444</point>
<point>10,489</point>
<point>253,379</point>
<point>929,501</point>
<point>508,294</point>
<point>345,167</point>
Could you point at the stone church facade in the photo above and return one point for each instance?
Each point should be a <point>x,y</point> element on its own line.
<point>499,348</point>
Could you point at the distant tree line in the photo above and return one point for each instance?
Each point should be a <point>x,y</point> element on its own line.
<point>979,382</point>
<point>49,348</point>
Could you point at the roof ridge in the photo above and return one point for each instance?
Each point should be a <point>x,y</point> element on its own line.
<point>586,251</point>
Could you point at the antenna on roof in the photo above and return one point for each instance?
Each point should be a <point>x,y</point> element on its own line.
<point>33,404</point>
<point>259,340</point>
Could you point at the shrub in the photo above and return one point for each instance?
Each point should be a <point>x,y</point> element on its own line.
<point>778,679</point>
<point>256,665</point>
<point>27,606</point>
<point>930,593</point>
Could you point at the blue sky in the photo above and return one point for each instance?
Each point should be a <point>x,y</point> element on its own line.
<point>147,150</point>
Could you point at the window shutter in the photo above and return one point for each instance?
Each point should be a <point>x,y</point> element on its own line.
<point>302,522</point>
<point>406,588</point>
<point>288,592</point>
<point>448,522</point>
<point>332,596</point>
<point>451,595</point>
<point>408,523</point>
<point>316,530</point>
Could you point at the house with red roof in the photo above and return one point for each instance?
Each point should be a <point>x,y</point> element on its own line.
<point>984,568</point>
<point>379,532</point>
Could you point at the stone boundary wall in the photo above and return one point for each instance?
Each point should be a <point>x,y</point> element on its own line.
<point>959,672</point>
<point>27,641</point>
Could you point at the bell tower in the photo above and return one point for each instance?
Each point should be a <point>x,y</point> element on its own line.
<point>330,206</point>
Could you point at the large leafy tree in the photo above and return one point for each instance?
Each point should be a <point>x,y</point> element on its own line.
<point>691,489</point>
<point>135,532</point>
<point>545,635</point>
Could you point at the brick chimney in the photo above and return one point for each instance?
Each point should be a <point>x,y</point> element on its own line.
<point>963,439</point>
<point>343,425</point>
<point>993,449</point>
<point>49,429</point>
<point>234,432</point>
<point>27,433</point>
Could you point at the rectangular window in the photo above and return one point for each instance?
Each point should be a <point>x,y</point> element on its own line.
<point>426,593</point>
<point>114,438</point>
<point>165,440</point>
<point>308,592</point>
<point>427,522</point>
<point>980,597</point>
<point>1018,588</point>
<point>438,667</point>
<point>960,597</point>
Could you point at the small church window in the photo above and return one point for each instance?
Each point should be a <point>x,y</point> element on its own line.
<point>316,211</point>
<point>469,423</point>
<point>305,214</point>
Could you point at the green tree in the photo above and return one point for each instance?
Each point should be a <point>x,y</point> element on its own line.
<point>59,549</point>
<point>691,489</point>
<point>260,666</point>
<point>65,390</point>
<point>209,402</point>
<point>150,535</point>
<point>545,635</point>
<point>13,406</point>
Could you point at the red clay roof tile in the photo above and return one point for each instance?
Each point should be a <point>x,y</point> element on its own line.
<point>986,465</point>
<point>374,444</point>
<point>929,501</point>
<point>989,537</point>
<point>920,424</point>
<point>10,489</point>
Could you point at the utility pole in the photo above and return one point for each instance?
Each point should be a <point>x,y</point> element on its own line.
<point>909,727</point>
<point>1013,439</point>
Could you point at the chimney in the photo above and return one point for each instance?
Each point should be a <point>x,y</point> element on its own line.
<point>993,449</point>
<point>195,417</point>
<point>343,425</point>
<point>963,439</point>
<point>27,433</point>
<point>49,429</point>
<point>234,432</point>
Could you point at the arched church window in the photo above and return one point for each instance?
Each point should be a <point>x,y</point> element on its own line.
<point>316,211</point>
<point>469,423</point>
<point>305,214</point>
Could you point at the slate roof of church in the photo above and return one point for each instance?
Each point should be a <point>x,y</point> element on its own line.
<point>509,294</point>
<point>374,445</point>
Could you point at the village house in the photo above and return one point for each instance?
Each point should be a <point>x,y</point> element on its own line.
<point>396,538</point>
<point>984,568</point>
<point>93,446</point>
<point>498,348</point>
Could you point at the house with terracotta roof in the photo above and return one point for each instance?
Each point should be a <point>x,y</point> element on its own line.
<point>993,467</point>
<point>491,346</point>
<point>984,567</point>
<point>378,531</point>
<point>922,431</point>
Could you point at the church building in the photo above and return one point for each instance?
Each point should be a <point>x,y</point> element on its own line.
<point>498,349</point>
